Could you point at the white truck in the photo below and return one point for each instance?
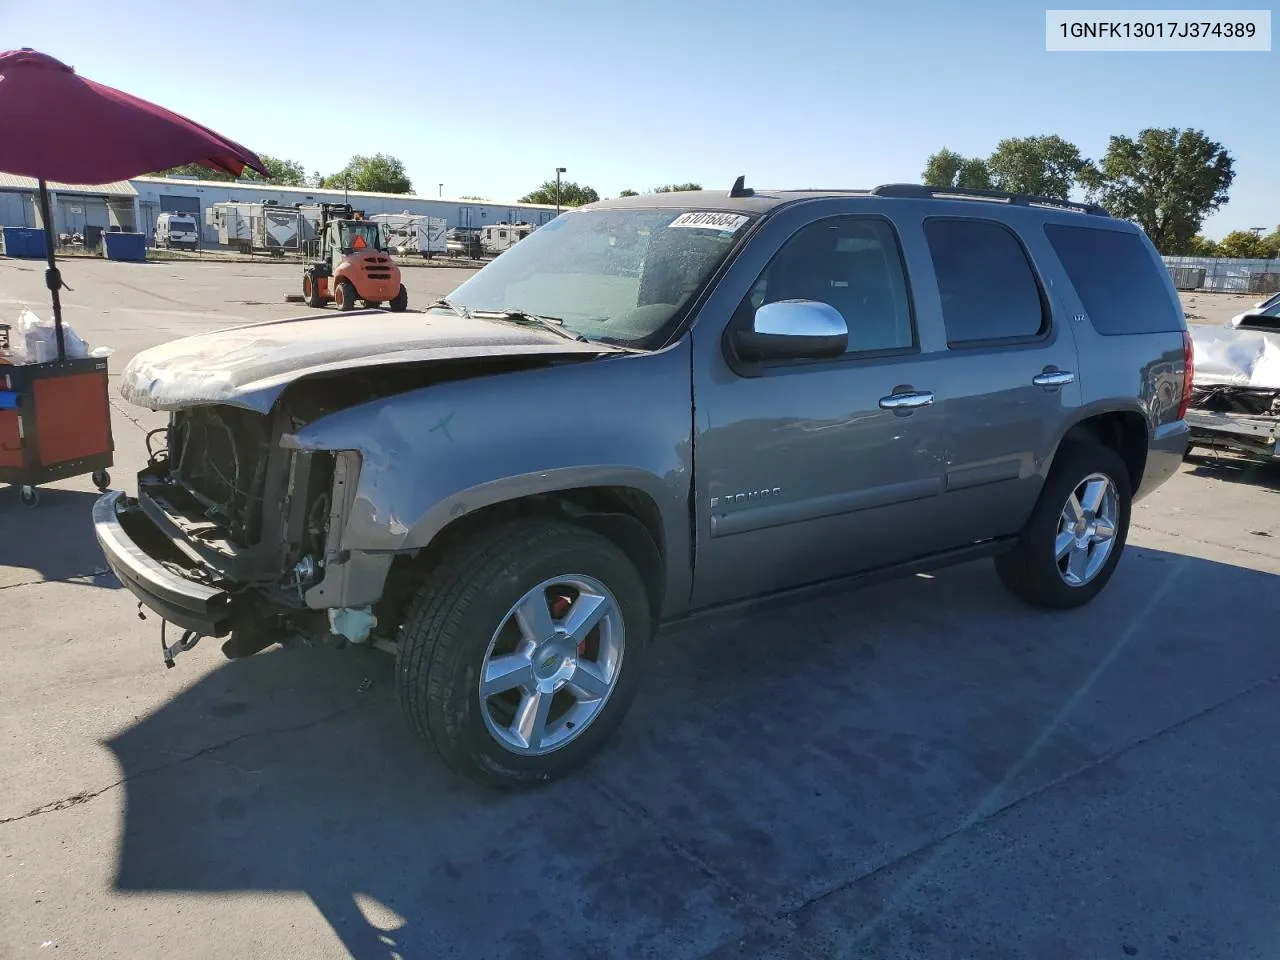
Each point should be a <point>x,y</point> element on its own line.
<point>177,231</point>
<point>409,233</point>
<point>497,237</point>
<point>259,227</point>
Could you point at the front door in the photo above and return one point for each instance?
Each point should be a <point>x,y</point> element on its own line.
<point>814,470</point>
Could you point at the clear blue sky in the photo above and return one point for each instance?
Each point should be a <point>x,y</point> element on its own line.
<point>488,98</point>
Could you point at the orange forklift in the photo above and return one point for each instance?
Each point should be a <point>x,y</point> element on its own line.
<point>352,264</point>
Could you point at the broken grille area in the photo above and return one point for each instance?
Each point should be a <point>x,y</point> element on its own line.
<point>219,454</point>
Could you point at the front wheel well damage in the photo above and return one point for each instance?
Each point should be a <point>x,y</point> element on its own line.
<point>627,517</point>
<point>1125,432</point>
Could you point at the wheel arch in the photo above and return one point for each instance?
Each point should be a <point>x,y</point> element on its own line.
<point>627,516</point>
<point>1124,430</point>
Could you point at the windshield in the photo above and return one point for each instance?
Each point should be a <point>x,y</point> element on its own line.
<point>614,275</point>
<point>366,232</point>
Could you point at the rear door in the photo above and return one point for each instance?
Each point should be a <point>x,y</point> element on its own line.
<point>1009,380</point>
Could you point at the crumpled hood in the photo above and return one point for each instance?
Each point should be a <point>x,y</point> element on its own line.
<point>250,366</point>
<point>1228,356</point>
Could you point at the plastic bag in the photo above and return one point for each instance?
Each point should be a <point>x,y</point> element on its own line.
<point>35,340</point>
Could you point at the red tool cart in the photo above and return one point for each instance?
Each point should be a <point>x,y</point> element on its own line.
<point>55,422</point>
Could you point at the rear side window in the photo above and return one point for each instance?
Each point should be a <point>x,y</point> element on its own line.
<point>1118,282</point>
<point>985,281</point>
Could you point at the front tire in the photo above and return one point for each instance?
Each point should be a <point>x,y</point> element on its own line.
<point>400,302</point>
<point>344,293</point>
<point>311,290</point>
<point>1071,544</point>
<point>555,619</point>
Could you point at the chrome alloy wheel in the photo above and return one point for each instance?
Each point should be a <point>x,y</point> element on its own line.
<point>1087,529</point>
<point>552,664</point>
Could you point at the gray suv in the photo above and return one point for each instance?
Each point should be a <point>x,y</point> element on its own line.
<point>653,406</point>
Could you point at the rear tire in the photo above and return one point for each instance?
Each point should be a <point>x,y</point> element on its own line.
<point>463,622</point>
<point>1033,570</point>
<point>400,302</point>
<point>344,294</point>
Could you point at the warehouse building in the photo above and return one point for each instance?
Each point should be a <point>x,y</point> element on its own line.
<point>77,208</point>
<point>157,195</point>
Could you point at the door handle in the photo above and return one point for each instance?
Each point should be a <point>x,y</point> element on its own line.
<point>906,401</point>
<point>1055,378</point>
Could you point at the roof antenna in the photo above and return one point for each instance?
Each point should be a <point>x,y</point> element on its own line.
<point>739,188</point>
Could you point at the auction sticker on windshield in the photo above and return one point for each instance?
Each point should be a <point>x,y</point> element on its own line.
<point>724,222</point>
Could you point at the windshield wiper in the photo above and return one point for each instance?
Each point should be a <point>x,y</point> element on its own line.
<point>554,324</point>
<point>448,304</point>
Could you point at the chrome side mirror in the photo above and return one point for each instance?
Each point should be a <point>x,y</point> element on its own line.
<point>793,330</point>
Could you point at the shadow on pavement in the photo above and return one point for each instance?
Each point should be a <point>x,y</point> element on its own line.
<point>767,764</point>
<point>1236,470</point>
<point>53,541</point>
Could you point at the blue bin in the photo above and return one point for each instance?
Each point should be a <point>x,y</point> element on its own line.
<point>125,246</point>
<point>25,242</point>
<point>8,400</point>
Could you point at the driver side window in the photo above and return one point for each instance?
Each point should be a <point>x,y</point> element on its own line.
<point>852,264</point>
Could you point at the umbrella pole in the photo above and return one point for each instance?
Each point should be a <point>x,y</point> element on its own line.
<point>52,278</point>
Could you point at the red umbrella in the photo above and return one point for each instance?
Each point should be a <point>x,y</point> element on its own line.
<point>59,126</point>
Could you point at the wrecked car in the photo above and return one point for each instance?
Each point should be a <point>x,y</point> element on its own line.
<point>655,406</point>
<point>1235,401</point>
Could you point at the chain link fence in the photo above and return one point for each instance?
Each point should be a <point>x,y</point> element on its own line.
<point>1221,275</point>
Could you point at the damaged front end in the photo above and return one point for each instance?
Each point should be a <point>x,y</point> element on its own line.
<point>238,526</point>
<point>234,530</point>
<point>1235,402</point>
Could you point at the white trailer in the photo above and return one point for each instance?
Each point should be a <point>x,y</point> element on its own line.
<point>259,227</point>
<point>497,237</point>
<point>408,233</point>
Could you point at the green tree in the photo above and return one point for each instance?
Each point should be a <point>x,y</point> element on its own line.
<point>628,193</point>
<point>379,173</point>
<point>1246,245</point>
<point>571,194</point>
<point>1046,166</point>
<point>946,168</point>
<point>1272,239</point>
<point>473,197</point>
<point>197,170</point>
<point>1167,180</point>
<point>677,187</point>
<point>287,173</point>
<point>1200,246</point>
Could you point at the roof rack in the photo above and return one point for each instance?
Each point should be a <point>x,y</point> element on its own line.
<point>920,191</point>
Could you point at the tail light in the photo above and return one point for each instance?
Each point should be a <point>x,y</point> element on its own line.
<point>1188,372</point>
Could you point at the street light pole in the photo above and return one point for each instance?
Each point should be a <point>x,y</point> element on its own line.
<point>559,170</point>
<point>441,193</point>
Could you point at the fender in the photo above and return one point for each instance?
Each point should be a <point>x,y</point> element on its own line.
<point>434,455</point>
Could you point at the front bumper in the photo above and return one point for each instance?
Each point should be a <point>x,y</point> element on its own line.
<point>133,547</point>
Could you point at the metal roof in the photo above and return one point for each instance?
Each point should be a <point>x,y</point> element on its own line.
<point>122,188</point>
<point>260,185</point>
